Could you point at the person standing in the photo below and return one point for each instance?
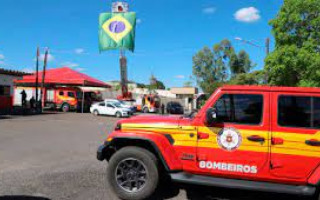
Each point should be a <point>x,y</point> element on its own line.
<point>32,102</point>
<point>162,109</point>
<point>24,98</point>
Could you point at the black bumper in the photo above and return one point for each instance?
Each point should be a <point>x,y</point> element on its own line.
<point>101,152</point>
<point>105,151</point>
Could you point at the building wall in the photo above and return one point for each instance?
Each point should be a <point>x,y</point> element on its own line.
<point>7,80</point>
<point>184,90</point>
<point>6,98</point>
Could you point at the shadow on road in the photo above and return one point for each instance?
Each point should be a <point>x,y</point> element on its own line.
<point>4,117</point>
<point>193,192</point>
<point>22,197</point>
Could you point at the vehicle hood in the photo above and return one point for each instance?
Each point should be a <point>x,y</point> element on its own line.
<point>151,122</point>
<point>125,106</point>
<point>123,109</point>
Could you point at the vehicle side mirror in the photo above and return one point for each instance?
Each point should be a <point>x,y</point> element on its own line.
<point>211,117</point>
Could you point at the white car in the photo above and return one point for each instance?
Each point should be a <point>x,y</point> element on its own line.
<point>111,108</point>
<point>124,104</point>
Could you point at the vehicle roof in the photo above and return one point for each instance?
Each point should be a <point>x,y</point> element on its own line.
<point>271,88</point>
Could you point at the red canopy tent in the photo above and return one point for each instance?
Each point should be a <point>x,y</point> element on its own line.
<point>62,76</point>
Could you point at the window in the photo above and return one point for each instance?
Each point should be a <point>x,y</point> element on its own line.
<point>5,91</point>
<point>299,111</point>
<point>110,106</point>
<point>316,112</point>
<point>240,108</point>
<point>102,104</point>
<point>71,94</point>
<point>61,93</point>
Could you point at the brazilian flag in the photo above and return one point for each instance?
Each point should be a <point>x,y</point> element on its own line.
<point>117,31</point>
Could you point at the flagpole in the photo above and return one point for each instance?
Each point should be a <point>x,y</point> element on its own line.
<point>37,78</point>
<point>43,77</point>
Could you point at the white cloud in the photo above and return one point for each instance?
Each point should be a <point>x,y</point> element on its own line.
<point>69,64</point>
<point>250,14</point>
<point>27,70</point>
<point>209,10</point>
<point>2,62</point>
<point>2,57</point>
<point>139,21</point>
<point>79,51</point>
<point>50,57</point>
<point>80,69</point>
<point>180,76</point>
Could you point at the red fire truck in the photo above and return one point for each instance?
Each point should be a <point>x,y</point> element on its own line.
<point>248,137</point>
<point>148,103</point>
<point>61,98</point>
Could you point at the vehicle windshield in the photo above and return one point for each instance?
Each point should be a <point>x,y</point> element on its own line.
<point>117,104</point>
<point>122,103</point>
<point>191,115</point>
<point>175,104</point>
<point>79,95</point>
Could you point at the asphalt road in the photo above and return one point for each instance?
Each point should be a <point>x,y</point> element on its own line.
<point>52,156</point>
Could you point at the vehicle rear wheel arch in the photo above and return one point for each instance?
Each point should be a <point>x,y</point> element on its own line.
<point>118,143</point>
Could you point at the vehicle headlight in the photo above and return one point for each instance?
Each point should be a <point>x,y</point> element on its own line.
<point>118,127</point>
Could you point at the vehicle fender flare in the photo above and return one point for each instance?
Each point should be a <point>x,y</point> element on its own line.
<point>159,143</point>
<point>63,102</point>
<point>314,178</point>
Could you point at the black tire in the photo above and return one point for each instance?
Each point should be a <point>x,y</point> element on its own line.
<point>145,110</point>
<point>96,113</point>
<point>149,162</point>
<point>316,196</point>
<point>65,107</point>
<point>118,115</point>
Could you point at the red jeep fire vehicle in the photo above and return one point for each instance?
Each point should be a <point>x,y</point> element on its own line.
<point>248,137</point>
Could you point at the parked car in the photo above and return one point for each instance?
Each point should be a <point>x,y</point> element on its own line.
<point>124,104</point>
<point>174,108</point>
<point>110,108</point>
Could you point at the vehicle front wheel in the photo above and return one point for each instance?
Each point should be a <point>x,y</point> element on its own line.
<point>118,115</point>
<point>96,112</point>
<point>132,173</point>
<point>65,107</point>
<point>145,110</point>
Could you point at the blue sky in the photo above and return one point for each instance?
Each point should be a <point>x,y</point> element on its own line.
<point>168,34</point>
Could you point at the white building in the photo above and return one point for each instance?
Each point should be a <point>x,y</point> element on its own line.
<point>7,78</point>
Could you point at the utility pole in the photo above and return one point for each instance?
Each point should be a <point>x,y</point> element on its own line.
<point>43,77</point>
<point>37,78</point>
<point>267,46</point>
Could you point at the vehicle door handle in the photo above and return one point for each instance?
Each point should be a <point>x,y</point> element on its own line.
<point>256,138</point>
<point>313,142</point>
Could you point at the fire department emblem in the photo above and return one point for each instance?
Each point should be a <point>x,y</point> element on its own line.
<point>229,139</point>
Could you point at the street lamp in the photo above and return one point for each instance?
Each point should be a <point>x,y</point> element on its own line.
<point>267,49</point>
<point>267,43</point>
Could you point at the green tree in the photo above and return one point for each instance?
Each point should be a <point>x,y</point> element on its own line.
<point>141,85</point>
<point>152,88</point>
<point>253,78</point>
<point>187,84</point>
<point>296,58</point>
<point>208,72</point>
<point>160,85</point>
<point>215,67</point>
<point>117,87</point>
